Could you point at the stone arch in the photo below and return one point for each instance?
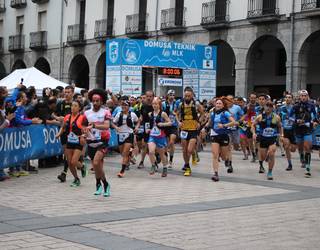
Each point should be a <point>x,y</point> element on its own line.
<point>79,71</point>
<point>308,60</point>
<point>101,71</point>
<point>225,68</point>
<point>266,65</point>
<point>18,64</point>
<point>43,65</point>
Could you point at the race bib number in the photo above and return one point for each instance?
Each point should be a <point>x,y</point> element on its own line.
<point>73,138</point>
<point>268,132</point>
<point>155,131</point>
<point>96,134</point>
<point>184,135</point>
<point>172,118</point>
<point>317,140</point>
<point>213,133</point>
<point>140,130</point>
<point>147,125</point>
<point>287,123</point>
<point>123,137</point>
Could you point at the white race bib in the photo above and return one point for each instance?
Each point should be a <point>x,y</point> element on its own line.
<point>184,135</point>
<point>140,130</point>
<point>147,126</point>
<point>213,133</point>
<point>317,140</point>
<point>172,118</point>
<point>123,137</point>
<point>96,134</point>
<point>268,132</point>
<point>73,138</point>
<point>155,131</point>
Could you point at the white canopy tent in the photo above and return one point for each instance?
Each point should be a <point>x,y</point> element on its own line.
<point>32,77</point>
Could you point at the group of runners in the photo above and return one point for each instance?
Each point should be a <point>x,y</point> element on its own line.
<point>151,126</point>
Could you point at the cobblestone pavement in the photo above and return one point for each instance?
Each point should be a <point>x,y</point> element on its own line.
<point>242,211</point>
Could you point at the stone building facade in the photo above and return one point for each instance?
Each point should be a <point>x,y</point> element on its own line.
<point>263,45</point>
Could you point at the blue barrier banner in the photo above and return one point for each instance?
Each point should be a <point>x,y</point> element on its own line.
<point>26,143</point>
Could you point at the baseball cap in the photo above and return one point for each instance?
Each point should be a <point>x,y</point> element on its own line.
<point>303,92</point>
<point>171,92</point>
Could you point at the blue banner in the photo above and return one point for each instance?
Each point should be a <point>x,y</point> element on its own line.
<point>18,145</point>
<point>160,54</point>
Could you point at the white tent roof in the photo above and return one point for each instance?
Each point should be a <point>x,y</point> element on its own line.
<point>32,77</point>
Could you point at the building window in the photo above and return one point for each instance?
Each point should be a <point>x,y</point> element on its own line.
<point>42,21</point>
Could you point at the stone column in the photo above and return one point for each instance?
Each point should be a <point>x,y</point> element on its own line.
<point>241,81</point>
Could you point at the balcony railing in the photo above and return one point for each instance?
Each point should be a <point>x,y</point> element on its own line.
<point>215,14</point>
<point>263,10</point>
<point>136,25</point>
<point>38,40</point>
<point>16,43</point>
<point>104,29</point>
<point>173,20</point>
<point>17,4</point>
<point>40,1</point>
<point>1,45</point>
<point>76,34</point>
<point>2,6</point>
<point>307,5</point>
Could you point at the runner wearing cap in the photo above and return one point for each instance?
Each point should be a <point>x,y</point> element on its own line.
<point>305,116</point>
<point>169,106</point>
<point>124,124</point>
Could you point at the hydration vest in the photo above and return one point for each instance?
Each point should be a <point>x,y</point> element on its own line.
<point>129,120</point>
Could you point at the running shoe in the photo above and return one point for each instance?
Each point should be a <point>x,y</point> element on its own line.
<point>289,168</point>
<point>187,172</point>
<point>269,176</point>
<point>84,171</point>
<point>197,157</point>
<point>230,170</point>
<point>120,174</point>
<point>261,170</point>
<point>215,178</point>
<point>75,183</point>
<point>107,191</point>
<point>141,165</point>
<point>23,173</point>
<point>307,174</point>
<point>99,190</point>
<point>152,170</point>
<point>164,172</point>
<point>62,177</point>
<point>14,174</point>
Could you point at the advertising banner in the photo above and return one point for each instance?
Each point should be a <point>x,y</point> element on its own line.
<point>18,145</point>
<point>125,59</point>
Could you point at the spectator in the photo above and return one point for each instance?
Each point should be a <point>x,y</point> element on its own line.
<point>4,122</point>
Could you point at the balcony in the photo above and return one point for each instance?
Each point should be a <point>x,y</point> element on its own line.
<point>310,7</point>
<point>38,40</point>
<point>262,11</point>
<point>40,1</point>
<point>1,45</point>
<point>104,29</point>
<point>18,4</point>
<point>215,14</point>
<point>136,26</point>
<point>76,35</point>
<point>2,6</point>
<point>16,43</point>
<point>173,21</point>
